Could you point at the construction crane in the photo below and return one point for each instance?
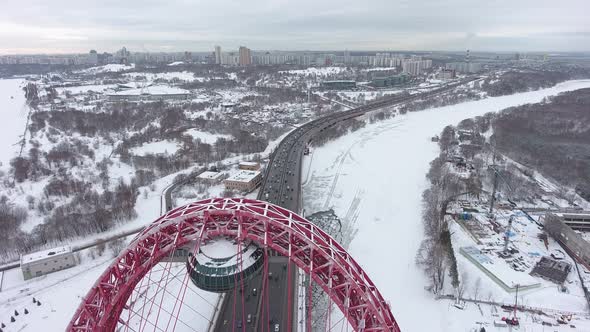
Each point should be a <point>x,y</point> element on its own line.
<point>513,321</point>
<point>497,175</point>
<point>507,234</point>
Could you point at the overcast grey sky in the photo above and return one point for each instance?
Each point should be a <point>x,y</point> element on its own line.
<point>66,26</point>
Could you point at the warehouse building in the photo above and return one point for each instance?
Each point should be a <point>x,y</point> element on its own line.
<point>44,262</point>
<point>243,180</point>
<point>384,82</point>
<point>249,165</point>
<point>337,85</point>
<point>568,238</point>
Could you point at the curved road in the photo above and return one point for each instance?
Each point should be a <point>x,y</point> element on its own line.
<point>282,186</point>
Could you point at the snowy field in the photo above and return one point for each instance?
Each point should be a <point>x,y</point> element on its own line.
<point>204,136</point>
<point>384,165</point>
<point>165,147</point>
<point>13,111</point>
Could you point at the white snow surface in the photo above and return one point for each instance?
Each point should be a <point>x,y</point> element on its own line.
<point>384,164</point>
<point>83,89</point>
<point>180,75</point>
<point>158,147</point>
<point>14,112</point>
<point>152,90</point>
<point>204,136</point>
<point>110,68</point>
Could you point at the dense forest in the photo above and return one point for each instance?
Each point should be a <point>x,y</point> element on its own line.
<point>552,137</point>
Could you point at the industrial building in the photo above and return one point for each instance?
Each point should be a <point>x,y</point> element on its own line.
<point>569,239</point>
<point>249,165</point>
<point>243,180</point>
<point>337,85</point>
<point>44,262</point>
<point>389,81</point>
<point>552,270</point>
<point>577,221</point>
<point>150,93</point>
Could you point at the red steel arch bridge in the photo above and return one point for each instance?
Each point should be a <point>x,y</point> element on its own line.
<point>121,299</point>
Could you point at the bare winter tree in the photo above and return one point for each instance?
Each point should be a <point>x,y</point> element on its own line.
<point>462,286</point>
<point>477,288</point>
<point>431,257</point>
<point>116,246</point>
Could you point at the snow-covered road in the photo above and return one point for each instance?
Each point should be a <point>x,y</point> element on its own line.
<point>384,164</point>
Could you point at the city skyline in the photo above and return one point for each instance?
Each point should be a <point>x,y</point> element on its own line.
<point>66,26</point>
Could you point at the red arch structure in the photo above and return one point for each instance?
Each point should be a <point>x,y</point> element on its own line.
<point>268,225</point>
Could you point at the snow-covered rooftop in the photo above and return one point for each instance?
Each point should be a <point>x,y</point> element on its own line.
<point>152,90</point>
<point>248,163</point>
<point>222,255</point>
<point>40,255</point>
<point>208,175</point>
<point>110,68</point>
<point>243,176</point>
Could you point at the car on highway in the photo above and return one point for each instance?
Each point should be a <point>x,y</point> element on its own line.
<point>277,328</point>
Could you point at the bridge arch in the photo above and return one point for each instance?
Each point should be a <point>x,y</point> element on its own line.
<point>270,227</point>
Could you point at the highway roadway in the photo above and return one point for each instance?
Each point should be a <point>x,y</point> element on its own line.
<point>281,186</point>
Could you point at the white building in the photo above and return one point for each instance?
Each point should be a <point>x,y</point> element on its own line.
<point>243,180</point>
<point>211,177</point>
<point>415,67</point>
<point>44,262</point>
<point>230,59</point>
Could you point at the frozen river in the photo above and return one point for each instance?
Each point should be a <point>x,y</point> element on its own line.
<point>13,113</point>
